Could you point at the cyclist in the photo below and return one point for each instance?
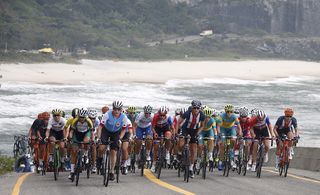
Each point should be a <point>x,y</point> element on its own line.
<point>104,110</point>
<point>80,132</point>
<point>209,131</point>
<point>113,125</point>
<point>226,126</point>
<point>74,114</point>
<point>193,125</point>
<point>92,114</point>
<point>177,132</point>
<point>126,146</point>
<point>55,132</point>
<point>284,126</point>
<point>41,129</point>
<point>245,126</point>
<point>162,125</point>
<point>32,133</point>
<point>143,124</point>
<point>260,127</point>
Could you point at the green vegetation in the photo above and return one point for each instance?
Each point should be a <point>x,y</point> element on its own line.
<point>6,164</point>
<point>120,30</point>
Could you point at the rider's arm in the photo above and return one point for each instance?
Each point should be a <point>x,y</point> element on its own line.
<point>201,127</point>
<point>134,126</point>
<point>99,131</point>
<point>239,129</point>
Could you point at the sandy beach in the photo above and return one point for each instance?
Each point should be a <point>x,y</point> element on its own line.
<point>154,72</point>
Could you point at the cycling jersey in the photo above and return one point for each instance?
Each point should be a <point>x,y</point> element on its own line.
<point>211,124</point>
<point>245,126</point>
<point>133,117</point>
<point>142,121</point>
<point>112,124</point>
<point>69,122</point>
<point>228,122</point>
<point>282,124</point>
<point>160,122</point>
<point>192,121</point>
<point>39,125</point>
<point>257,124</point>
<point>56,126</point>
<point>82,127</point>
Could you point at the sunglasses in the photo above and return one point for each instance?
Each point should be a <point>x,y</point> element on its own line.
<point>147,113</point>
<point>162,115</point>
<point>117,109</point>
<point>81,117</point>
<point>92,118</point>
<point>131,112</point>
<point>229,112</point>
<point>56,115</point>
<point>288,116</point>
<point>196,108</point>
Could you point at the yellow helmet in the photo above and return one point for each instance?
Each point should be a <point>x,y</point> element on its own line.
<point>132,109</point>
<point>208,112</point>
<point>228,107</point>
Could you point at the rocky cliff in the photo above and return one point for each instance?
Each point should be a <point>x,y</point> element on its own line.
<point>273,16</point>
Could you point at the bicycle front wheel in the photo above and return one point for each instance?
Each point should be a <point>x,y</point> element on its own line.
<point>56,162</point>
<point>78,168</point>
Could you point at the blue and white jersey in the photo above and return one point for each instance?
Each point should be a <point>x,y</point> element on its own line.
<point>142,121</point>
<point>113,124</point>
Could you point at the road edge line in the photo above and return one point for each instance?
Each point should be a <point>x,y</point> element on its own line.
<point>295,176</point>
<point>16,188</point>
<point>152,178</point>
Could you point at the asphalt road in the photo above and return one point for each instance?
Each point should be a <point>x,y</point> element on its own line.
<point>269,183</point>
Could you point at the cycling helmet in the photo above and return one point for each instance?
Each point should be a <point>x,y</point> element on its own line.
<point>237,110</point>
<point>92,113</point>
<point>75,112</point>
<point>183,110</point>
<point>253,112</point>
<point>117,104</point>
<point>63,114</point>
<point>83,112</point>
<point>104,109</point>
<point>178,111</point>
<point>163,110</point>
<point>56,111</point>
<point>147,109</point>
<point>203,107</point>
<point>288,112</point>
<point>132,109</point>
<point>243,112</point>
<point>228,107</point>
<point>207,112</point>
<point>46,115</point>
<point>215,112</point>
<point>260,114</point>
<point>196,103</point>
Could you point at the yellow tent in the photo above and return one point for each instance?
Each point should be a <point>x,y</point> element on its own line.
<point>46,50</point>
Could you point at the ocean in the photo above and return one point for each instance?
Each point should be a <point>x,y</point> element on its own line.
<point>21,102</point>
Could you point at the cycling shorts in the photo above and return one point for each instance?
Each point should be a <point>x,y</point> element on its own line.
<point>58,135</point>
<point>114,138</point>
<point>228,132</point>
<point>192,133</point>
<point>203,134</point>
<point>140,131</point>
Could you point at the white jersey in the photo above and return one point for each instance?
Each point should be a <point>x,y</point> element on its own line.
<point>142,121</point>
<point>56,126</point>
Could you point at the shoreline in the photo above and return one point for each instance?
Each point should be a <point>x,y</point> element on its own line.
<point>155,71</point>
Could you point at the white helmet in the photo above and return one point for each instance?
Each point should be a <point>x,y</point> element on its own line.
<point>83,112</point>
<point>260,114</point>
<point>163,110</point>
<point>92,113</point>
<point>117,104</point>
<point>147,109</point>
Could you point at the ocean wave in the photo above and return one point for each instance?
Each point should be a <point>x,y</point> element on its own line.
<point>292,80</point>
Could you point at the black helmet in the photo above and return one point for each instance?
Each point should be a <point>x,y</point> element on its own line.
<point>75,112</point>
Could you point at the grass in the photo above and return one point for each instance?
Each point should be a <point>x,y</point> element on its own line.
<point>6,164</point>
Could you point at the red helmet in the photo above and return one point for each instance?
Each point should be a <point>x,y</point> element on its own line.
<point>46,115</point>
<point>105,109</point>
<point>288,112</point>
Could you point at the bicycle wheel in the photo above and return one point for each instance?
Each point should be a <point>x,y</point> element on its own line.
<point>78,168</point>
<point>244,160</point>
<point>88,163</point>
<point>239,160</point>
<point>287,162</point>
<point>159,162</point>
<point>186,164</point>
<point>107,167</point>
<point>105,164</point>
<point>142,159</point>
<point>204,162</point>
<point>132,163</point>
<point>15,150</point>
<point>226,162</point>
<point>260,161</point>
<point>118,164</point>
<point>56,160</point>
